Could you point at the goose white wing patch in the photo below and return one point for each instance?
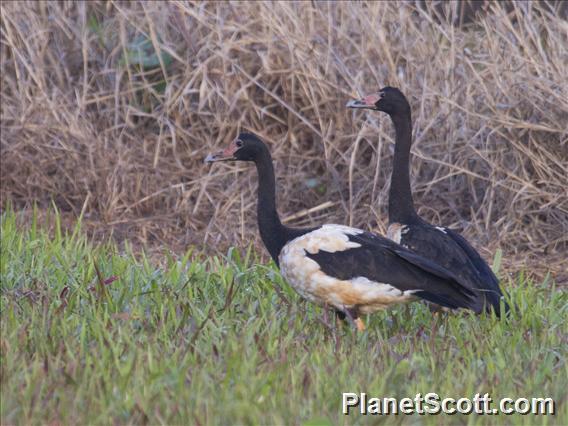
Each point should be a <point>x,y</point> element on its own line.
<point>395,231</point>
<point>330,238</point>
<point>307,278</point>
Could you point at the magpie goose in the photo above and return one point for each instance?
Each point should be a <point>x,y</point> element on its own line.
<point>439,244</point>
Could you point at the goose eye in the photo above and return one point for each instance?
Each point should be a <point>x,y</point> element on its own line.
<point>239,143</point>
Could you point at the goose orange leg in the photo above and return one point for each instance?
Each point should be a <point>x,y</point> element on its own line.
<point>353,318</point>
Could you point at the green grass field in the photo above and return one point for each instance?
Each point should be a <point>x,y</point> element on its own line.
<point>225,341</point>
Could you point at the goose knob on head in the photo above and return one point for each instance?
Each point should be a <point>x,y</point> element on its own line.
<point>439,244</point>
<point>353,271</point>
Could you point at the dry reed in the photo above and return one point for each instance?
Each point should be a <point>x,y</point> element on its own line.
<point>118,135</point>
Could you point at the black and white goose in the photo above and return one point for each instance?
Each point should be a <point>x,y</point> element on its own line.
<point>353,271</point>
<point>439,244</point>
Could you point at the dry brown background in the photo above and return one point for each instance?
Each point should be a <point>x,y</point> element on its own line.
<point>86,125</point>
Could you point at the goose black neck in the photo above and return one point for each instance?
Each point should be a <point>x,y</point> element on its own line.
<point>401,206</point>
<point>272,232</point>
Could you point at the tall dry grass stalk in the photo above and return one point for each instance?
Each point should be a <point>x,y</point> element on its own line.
<point>98,126</point>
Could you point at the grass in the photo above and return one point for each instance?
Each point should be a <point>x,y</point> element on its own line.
<point>224,340</point>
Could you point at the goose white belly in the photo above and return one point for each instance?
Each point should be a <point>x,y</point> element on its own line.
<point>305,275</point>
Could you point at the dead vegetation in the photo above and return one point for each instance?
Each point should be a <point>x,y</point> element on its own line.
<point>109,108</point>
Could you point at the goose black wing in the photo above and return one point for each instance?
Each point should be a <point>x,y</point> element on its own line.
<point>451,251</point>
<point>492,291</point>
<point>480,265</point>
<point>382,261</point>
